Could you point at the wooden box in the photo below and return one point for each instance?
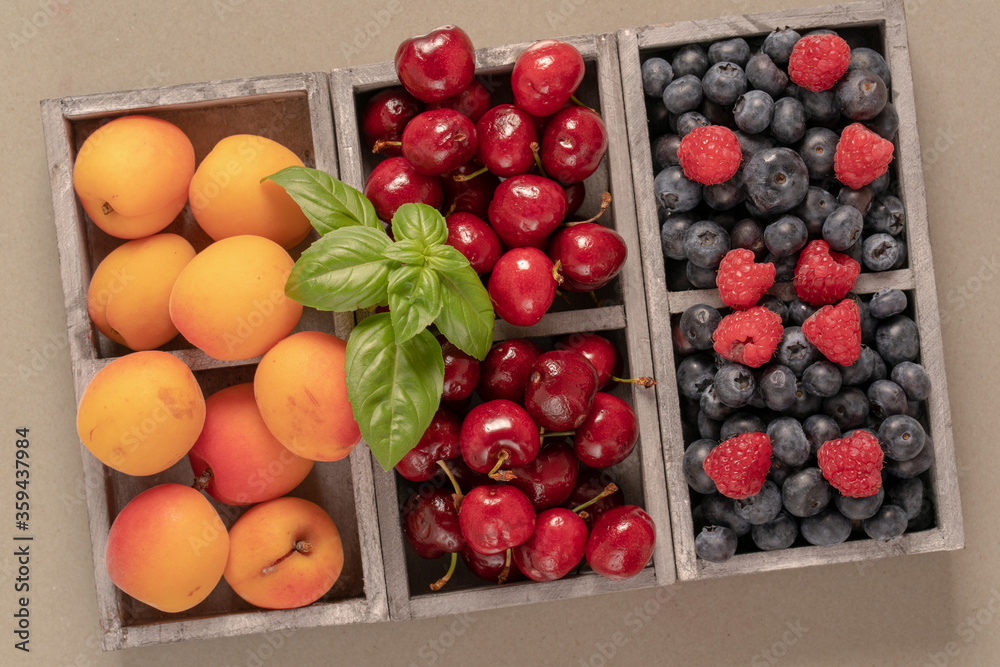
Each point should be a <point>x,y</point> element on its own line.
<point>295,111</point>
<point>882,23</point>
<point>623,319</point>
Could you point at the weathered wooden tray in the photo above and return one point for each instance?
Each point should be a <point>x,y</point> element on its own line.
<point>885,19</point>
<point>625,319</point>
<point>295,111</point>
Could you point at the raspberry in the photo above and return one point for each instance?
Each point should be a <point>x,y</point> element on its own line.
<point>748,337</point>
<point>823,277</point>
<point>818,61</point>
<point>836,332</point>
<point>861,157</point>
<point>739,466</point>
<point>853,465</point>
<point>741,282</point>
<point>709,154</point>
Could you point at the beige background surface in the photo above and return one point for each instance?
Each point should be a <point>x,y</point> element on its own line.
<point>906,611</point>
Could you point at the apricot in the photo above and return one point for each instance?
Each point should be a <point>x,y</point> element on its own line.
<point>246,464</point>
<point>141,413</point>
<point>284,553</point>
<point>129,294</point>
<point>229,199</point>
<point>230,299</point>
<point>167,548</point>
<point>301,390</point>
<point>132,175</point>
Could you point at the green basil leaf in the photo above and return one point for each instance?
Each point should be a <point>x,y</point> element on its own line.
<point>328,203</point>
<point>446,258</point>
<point>414,299</point>
<point>420,223</point>
<point>466,317</point>
<point>344,270</point>
<point>407,252</point>
<point>394,387</point>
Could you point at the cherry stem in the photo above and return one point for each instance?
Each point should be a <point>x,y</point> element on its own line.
<point>505,572</point>
<point>451,210</point>
<point>106,208</point>
<point>644,381</point>
<point>454,482</point>
<point>605,203</point>
<point>597,300</point>
<point>558,277</point>
<point>439,584</point>
<point>538,158</point>
<point>201,483</point>
<point>383,143</point>
<point>608,490</point>
<point>502,475</point>
<point>575,100</point>
<point>301,546</point>
<point>542,434</point>
<point>459,178</point>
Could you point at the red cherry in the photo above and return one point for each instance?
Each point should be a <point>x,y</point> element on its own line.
<point>461,373</point>
<point>609,433</point>
<point>438,65</point>
<point>589,255</point>
<point>495,518</point>
<point>522,286</point>
<point>439,442</point>
<point>394,182</point>
<point>475,239</point>
<point>469,196</point>
<point>555,547</point>
<point>526,209</point>
<point>575,195</point>
<point>545,76</point>
<point>573,144</point>
<point>473,101</point>
<point>385,116</point>
<point>560,391</point>
<point>621,542</point>
<point>589,484</point>
<point>598,350</point>
<point>549,479</point>
<point>505,370</point>
<point>439,140</point>
<point>498,431</point>
<point>489,567</point>
<point>506,135</point>
<point>431,524</point>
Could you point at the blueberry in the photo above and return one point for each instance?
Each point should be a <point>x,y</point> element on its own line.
<point>902,437</point>
<point>897,340</point>
<point>880,252</point>
<point>748,234</point>
<point>784,267</point>
<point>694,470</point>
<point>717,114</point>
<point>913,379</point>
<point>777,387</point>
<point>869,325</point>
<point>716,544</point>
<point>795,350</point>
<point>915,409</point>
<point>879,370</point>
<point>842,228</point>
<point>806,493</point>
<point>688,121</point>
<point>818,148</point>
<point>724,82</point>
<point>764,75</point>
<point>780,471</point>
<point>859,509</point>
<point>906,493</point>
<point>762,507</point>
<point>735,50</point>
<point>694,374</point>
<point>886,215</point>
<point>799,311</point>
<point>886,124</point>
<point>753,111</point>
<point>656,74</point>
<point>674,192</point>
<point>708,428</point>
<point>788,441</point>
<point>698,323</point>
<point>751,144</point>
<point>672,234</point>
<point>865,58</point>
<point>881,184</point>
<point>734,385</point>
<point>690,60</point>
<point>700,277</point>
<point>901,259</point>
<point>724,196</point>
<point>822,379</point>
<point>775,305</point>
<point>918,465</point>
<point>862,94</point>
<point>889,522</point>
<point>719,510</point>
<point>805,404</point>
<point>788,122</point>
<point>779,44</point>
<point>816,208</point>
<point>819,429</point>
<point>777,534</point>
<point>657,117</point>
<point>785,236</point>
<point>821,106</point>
<point>739,423</point>
<point>924,518</point>
<point>705,244</point>
<point>776,180</point>
<point>886,303</point>
<point>849,407</point>
<point>711,406</point>
<point>860,199</point>
<point>886,398</point>
<point>683,94</point>
<point>825,529</point>
<point>665,151</point>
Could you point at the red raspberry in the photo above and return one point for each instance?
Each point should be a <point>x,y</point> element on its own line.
<point>739,466</point>
<point>818,61</point>
<point>823,277</point>
<point>836,332</point>
<point>861,157</point>
<point>748,337</point>
<point>741,282</point>
<point>853,465</point>
<point>710,154</point>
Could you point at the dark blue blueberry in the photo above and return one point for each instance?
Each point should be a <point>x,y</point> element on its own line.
<point>724,196</point>
<point>688,121</point>
<point>735,385</point>
<point>683,94</point>
<point>901,259</point>
<point>871,60</point>
<point>886,398</point>
<point>762,507</point>
<point>861,370</point>
<point>708,428</point>
<point>784,267</point>
<point>795,350</point>
<point>777,387</point>
<point>751,144</point>
<point>690,60</point>
<point>672,234</point>
<point>739,423</point>
<point>906,493</point>
<point>753,111</point>
<point>775,305</point>
<point>799,311</point>
<point>735,50</point>
<point>880,252</point>
<point>822,379</point>
<point>918,465</point>
<point>916,409</point>
<point>700,277</point>
<point>859,509</point>
<point>694,462</point>
<point>886,303</point>
<point>849,408</point>
<point>764,75</point>
<point>897,340</point>
<point>821,106</point>
<point>913,379</point>
<point>886,124</point>
<point>879,370</point>
<point>861,94</point>
<point>860,199</point>
<point>924,518</point>
<point>779,44</point>
<point>716,544</point>
<point>724,82</point>
<point>785,236</point>
<point>719,510</point>
<point>842,228</point>
<point>780,471</point>
<point>705,244</point>
<point>902,437</point>
<point>674,191</point>
<point>717,114</point>
<point>657,118</point>
<point>820,31</point>
<point>788,122</point>
<point>777,534</point>
<point>806,493</point>
<point>711,406</point>
<point>656,74</point>
<point>694,374</point>
<point>818,148</point>
<point>788,441</point>
<point>805,404</point>
<point>697,325</point>
<point>665,151</point>
<point>886,215</point>
<point>776,180</point>
<point>888,523</point>
<point>880,185</point>
<point>819,429</point>
<point>815,208</point>
<point>825,529</point>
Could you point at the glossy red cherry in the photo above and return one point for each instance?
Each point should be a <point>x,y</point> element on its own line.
<point>560,391</point>
<point>576,193</point>
<point>526,209</point>
<point>473,101</point>
<point>495,518</point>
<point>598,350</point>
<point>385,116</point>
<point>506,135</point>
<point>495,432</point>
<point>589,484</point>
<point>461,373</point>
<point>545,76</point>
<point>488,567</point>
<point>475,239</point>
<point>621,542</point>
<point>438,65</point>
<point>522,286</point>
<point>609,433</point>
<point>468,196</point>
<point>431,523</point>
<point>549,479</point>
<point>505,370</point>
<point>573,144</point>
<point>589,255</point>
<point>555,547</point>
<point>439,442</point>
<point>394,182</point>
<point>439,140</point>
